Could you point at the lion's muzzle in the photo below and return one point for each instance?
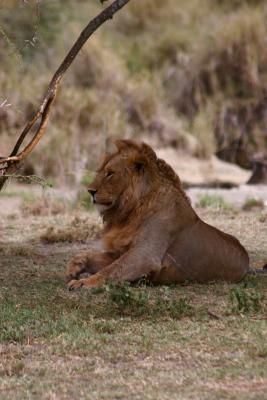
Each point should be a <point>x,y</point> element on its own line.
<point>93,194</point>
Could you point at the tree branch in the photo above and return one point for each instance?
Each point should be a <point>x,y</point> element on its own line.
<point>50,95</point>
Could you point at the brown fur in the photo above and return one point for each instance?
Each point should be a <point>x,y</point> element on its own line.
<point>150,227</point>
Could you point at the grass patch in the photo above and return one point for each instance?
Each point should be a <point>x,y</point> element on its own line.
<point>127,341</point>
<point>124,299</point>
<point>213,201</point>
<point>76,231</point>
<point>45,310</point>
<point>43,206</point>
<point>245,302</point>
<point>252,203</point>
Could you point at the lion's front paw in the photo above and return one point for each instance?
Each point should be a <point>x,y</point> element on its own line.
<point>71,275</point>
<point>75,284</point>
<point>75,268</point>
<point>92,282</point>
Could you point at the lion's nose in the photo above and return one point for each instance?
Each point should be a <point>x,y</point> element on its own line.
<point>92,192</point>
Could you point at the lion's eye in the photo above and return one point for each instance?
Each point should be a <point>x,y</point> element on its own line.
<point>109,174</point>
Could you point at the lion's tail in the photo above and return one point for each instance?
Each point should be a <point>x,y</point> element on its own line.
<point>254,271</point>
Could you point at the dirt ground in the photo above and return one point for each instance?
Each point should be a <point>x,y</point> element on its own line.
<point>184,342</point>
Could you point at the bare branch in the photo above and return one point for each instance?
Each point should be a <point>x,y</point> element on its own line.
<point>38,135</point>
<point>49,97</point>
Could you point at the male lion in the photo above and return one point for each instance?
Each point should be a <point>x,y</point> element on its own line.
<point>150,228</point>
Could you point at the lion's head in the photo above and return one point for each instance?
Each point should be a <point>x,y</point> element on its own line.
<point>125,175</point>
<point>131,177</point>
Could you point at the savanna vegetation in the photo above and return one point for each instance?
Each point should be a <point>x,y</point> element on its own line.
<point>136,342</point>
<point>191,75</point>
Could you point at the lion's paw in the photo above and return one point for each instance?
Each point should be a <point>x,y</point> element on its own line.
<point>74,269</point>
<point>93,281</point>
<point>71,276</point>
<point>75,284</point>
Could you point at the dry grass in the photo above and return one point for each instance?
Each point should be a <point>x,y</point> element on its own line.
<point>43,206</point>
<point>186,342</point>
<point>163,73</point>
<point>76,232</point>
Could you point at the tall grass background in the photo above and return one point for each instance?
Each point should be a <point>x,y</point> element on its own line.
<point>188,74</point>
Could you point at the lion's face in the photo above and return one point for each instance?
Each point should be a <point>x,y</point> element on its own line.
<point>123,176</point>
<point>110,182</point>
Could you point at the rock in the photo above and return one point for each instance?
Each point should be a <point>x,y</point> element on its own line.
<point>194,171</point>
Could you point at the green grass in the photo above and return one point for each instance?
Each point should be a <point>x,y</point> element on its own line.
<point>213,201</point>
<point>75,334</point>
<point>126,341</point>
<point>45,310</point>
<point>244,301</point>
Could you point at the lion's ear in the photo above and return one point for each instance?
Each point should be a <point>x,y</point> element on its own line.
<point>140,165</point>
<point>110,147</point>
<point>142,159</point>
<point>126,145</point>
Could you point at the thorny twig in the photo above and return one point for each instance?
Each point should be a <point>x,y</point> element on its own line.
<point>31,179</point>
<point>11,162</point>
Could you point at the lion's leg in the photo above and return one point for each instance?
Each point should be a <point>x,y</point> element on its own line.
<point>142,259</point>
<point>123,269</point>
<point>126,268</point>
<point>91,262</point>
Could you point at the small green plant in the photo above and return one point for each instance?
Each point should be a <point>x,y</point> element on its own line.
<point>252,203</point>
<point>245,302</point>
<point>180,308</point>
<point>214,201</point>
<point>126,298</point>
<point>166,304</point>
<point>252,282</point>
<point>137,301</point>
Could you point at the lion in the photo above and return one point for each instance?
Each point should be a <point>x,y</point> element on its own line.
<point>150,227</point>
